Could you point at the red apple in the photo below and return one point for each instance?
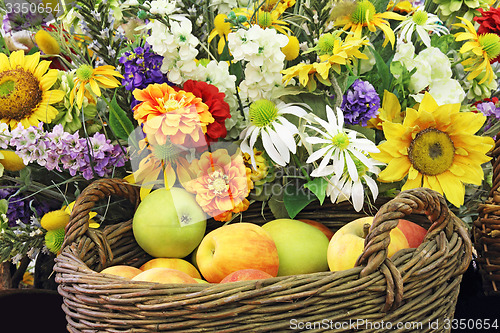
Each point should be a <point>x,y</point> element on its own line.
<point>323,228</point>
<point>348,242</point>
<point>236,246</point>
<point>413,232</point>
<point>246,275</point>
<point>164,275</point>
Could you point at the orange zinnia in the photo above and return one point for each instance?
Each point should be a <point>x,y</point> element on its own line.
<point>221,184</point>
<point>169,114</point>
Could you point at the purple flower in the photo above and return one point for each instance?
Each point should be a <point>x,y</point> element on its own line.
<point>21,208</point>
<point>141,67</point>
<point>360,103</point>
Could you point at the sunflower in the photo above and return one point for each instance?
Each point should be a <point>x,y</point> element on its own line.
<point>100,77</point>
<point>25,95</point>
<point>365,15</point>
<point>435,147</point>
<point>484,47</point>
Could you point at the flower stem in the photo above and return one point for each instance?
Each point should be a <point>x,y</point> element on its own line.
<point>338,92</point>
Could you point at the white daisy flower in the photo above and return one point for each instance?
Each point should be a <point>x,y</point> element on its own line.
<point>342,187</point>
<point>422,22</point>
<point>339,146</point>
<point>275,131</point>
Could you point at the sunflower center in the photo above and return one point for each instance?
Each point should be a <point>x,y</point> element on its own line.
<point>263,112</point>
<point>20,94</point>
<point>166,152</point>
<point>84,72</point>
<point>431,152</point>
<point>326,43</point>
<point>341,141</point>
<point>217,182</point>
<point>491,44</point>
<point>265,19</point>
<point>420,17</point>
<point>363,13</point>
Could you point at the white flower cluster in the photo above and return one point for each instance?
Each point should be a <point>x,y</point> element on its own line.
<point>224,6</point>
<point>162,7</point>
<point>177,46</point>
<point>433,72</point>
<point>261,49</point>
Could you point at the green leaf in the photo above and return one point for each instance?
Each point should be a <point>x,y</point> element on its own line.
<point>318,187</point>
<point>296,199</point>
<point>4,205</point>
<point>380,5</point>
<point>120,124</point>
<point>383,69</point>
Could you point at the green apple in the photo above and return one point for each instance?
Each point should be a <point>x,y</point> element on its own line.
<point>302,248</point>
<point>169,223</point>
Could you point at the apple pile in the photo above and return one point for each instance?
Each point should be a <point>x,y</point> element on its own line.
<point>170,226</point>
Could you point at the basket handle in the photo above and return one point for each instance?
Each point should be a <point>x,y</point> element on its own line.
<point>100,189</point>
<point>414,201</point>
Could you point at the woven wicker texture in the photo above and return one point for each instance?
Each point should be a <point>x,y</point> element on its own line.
<point>418,286</point>
<point>486,231</point>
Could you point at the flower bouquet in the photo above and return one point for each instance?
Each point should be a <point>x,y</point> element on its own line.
<point>242,103</point>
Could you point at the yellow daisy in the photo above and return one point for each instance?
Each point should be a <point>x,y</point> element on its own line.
<point>339,53</point>
<point>221,29</point>
<point>484,48</point>
<point>435,147</point>
<point>100,77</point>
<point>390,111</point>
<point>25,95</point>
<point>365,15</point>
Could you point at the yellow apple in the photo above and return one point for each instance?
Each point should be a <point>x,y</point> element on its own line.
<point>164,275</point>
<point>169,223</point>
<point>175,263</point>
<point>348,243</point>
<point>236,246</point>
<point>301,247</point>
<point>122,270</point>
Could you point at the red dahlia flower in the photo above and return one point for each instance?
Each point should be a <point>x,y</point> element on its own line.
<point>219,109</point>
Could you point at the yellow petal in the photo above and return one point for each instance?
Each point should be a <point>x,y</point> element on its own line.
<point>453,188</point>
<point>395,170</point>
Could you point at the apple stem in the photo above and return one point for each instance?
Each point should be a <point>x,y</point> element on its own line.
<point>366,228</point>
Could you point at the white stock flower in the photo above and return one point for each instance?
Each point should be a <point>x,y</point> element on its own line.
<point>261,51</point>
<point>177,45</point>
<point>162,7</point>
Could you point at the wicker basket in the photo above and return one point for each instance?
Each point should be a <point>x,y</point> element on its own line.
<point>416,287</point>
<point>486,231</point>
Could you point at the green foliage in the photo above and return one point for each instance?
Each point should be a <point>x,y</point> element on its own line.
<point>119,122</point>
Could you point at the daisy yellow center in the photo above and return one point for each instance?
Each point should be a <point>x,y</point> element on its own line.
<point>490,44</point>
<point>431,152</point>
<point>265,19</point>
<point>326,43</point>
<point>363,13</point>
<point>420,17</point>
<point>263,112</point>
<point>20,94</point>
<point>84,72</point>
<point>341,141</point>
<point>217,182</point>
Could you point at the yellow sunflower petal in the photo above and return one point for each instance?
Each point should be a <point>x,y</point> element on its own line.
<point>432,183</point>
<point>412,183</point>
<point>395,170</point>
<point>453,188</point>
